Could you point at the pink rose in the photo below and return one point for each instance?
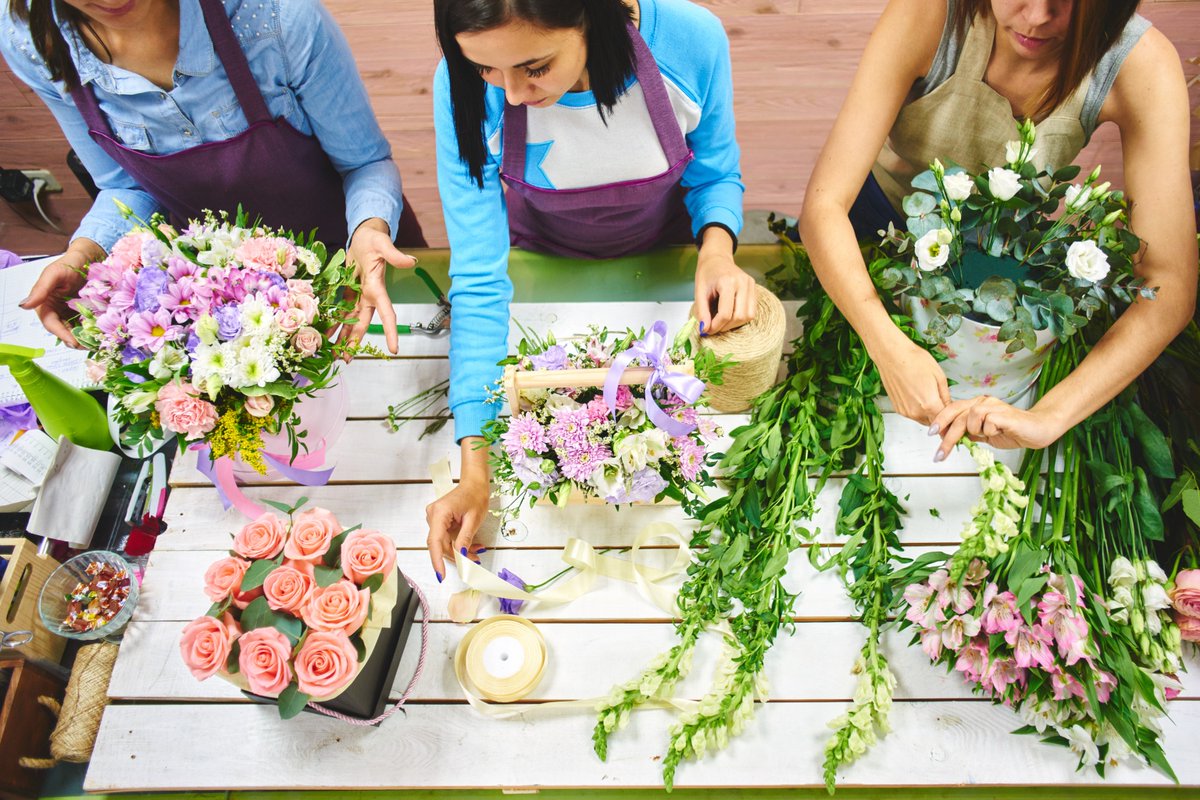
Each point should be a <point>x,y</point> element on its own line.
<point>292,320</point>
<point>262,538</point>
<point>326,663</point>
<point>312,531</point>
<point>224,578</point>
<point>306,304</point>
<point>264,661</point>
<point>307,341</point>
<point>1189,627</point>
<point>95,371</point>
<point>297,286</point>
<point>289,589</point>
<point>366,553</point>
<point>260,405</point>
<point>205,645</point>
<point>339,607</point>
<point>181,410</point>
<point>1186,594</point>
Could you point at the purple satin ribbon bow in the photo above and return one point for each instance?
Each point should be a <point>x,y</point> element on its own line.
<point>653,348</point>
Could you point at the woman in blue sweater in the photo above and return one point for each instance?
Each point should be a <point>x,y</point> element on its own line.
<point>587,128</point>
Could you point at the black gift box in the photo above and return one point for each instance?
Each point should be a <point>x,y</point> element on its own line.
<point>367,696</point>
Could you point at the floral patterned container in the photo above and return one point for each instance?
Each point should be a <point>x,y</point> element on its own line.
<point>976,362</point>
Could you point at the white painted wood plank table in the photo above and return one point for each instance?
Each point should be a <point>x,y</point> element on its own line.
<point>166,731</point>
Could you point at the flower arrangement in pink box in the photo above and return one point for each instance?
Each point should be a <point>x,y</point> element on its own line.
<point>298,607</point>
<point>214,334</point>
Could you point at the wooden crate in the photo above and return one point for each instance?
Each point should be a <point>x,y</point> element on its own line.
<point>23,580</point>
<point>25,725</point>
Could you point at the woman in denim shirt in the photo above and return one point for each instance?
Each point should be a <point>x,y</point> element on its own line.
<point>181,105</point>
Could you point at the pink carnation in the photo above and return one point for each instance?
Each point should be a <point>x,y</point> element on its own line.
<point>269,254</point>
<point>182,410</point>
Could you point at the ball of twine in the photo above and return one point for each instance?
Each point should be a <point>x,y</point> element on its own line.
<point>756,349</point>
<point>81,709</point>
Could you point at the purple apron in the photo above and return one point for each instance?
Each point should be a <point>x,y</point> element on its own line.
<point>610,220</point>
<point>271,168</point>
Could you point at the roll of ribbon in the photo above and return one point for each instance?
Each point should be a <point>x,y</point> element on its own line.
<point>756,348</point>
<point>501,659</point>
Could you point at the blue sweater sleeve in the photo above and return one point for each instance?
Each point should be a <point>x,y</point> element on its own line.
<point>480,289</point>
<point>103,223</point>
<point>700,62</point>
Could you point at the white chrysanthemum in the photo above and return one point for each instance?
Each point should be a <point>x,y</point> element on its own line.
<point>255,367</point>
<point>308,259</point>
<point>258,318</point>
<point>209,360</point>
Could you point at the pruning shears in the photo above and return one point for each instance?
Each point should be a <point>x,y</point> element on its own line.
<point>437,325</point>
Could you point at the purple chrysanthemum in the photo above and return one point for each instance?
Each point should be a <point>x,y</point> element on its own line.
<point>578,463</point>
<point>524,434</point>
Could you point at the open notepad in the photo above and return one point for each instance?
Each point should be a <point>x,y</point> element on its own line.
<point>21,327</point>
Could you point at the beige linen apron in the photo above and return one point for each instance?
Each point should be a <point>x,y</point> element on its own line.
<point>967,122</point>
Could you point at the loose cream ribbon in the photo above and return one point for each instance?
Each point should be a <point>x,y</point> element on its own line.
<point>588,563</point>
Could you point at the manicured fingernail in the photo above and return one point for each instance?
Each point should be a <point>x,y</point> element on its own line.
<point>26,300</point>
<point>481,550</point>
<point>463,550</point>
<point>935,429</point>
<point>439,576</point>
<point>939,456</point>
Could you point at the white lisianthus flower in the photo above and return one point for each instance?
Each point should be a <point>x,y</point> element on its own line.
<point>1154,597</point>
<point>933,249</point>
<point>560,402</point>
<point>1121,573</point>
<point>1086,261</point>
<point>1155,571</point>
<point>139,402</point>
<point>1012,153</point>
<point>1003,183</point>
<point>1077,197</point>
<point>958,186</point>
<point>606,478</point>
<point>167,361</point>
<point>633,452</point>
<point>657,445</point>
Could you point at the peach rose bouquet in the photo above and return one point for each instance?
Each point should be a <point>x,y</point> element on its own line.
<point>297,606</point>
<point>214,333</point>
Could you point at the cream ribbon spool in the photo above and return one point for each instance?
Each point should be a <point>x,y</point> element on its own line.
<point>501,659</point>
<point>757,348</point>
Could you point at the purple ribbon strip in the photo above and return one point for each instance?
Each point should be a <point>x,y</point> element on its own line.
<point>653,348</point>
<point>220,473</point>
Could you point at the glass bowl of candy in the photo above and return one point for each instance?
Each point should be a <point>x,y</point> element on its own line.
<point>91,596</point>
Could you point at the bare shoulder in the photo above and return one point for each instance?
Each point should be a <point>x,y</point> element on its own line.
<point>912,30</point>
<point>1151,81</point>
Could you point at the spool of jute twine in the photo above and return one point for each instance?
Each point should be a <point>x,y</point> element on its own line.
<point>79,715</point>
<point>501,659</point>
<point>756,349</point>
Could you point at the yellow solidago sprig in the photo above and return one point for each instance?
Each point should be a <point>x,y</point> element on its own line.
<point>238,434</point>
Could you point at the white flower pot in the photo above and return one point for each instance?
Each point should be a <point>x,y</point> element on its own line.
<point>976,362</point>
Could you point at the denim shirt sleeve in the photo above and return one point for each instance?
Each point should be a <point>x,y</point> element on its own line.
<point>103,223</point>
<point>325,80</point>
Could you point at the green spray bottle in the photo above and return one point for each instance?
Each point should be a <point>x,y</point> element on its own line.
<point>63,409</point>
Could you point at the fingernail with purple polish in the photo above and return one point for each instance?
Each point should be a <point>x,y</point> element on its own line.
<point>481,550</point>
<point>463,550</point>
<point>439,576</point>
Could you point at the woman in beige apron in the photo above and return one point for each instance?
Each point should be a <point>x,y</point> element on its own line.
<point>951,80</point>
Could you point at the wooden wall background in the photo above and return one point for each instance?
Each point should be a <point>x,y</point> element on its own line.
<point>792,63</point>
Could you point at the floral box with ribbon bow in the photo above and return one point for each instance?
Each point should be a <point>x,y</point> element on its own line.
<point>605,417</point>
<point>305,614</point>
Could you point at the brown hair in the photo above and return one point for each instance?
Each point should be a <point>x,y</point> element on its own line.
<point>1095,27</point>
<point>48,38</point>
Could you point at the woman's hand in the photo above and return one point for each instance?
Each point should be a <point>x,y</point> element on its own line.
<point>913,380</point>
<point>992,421</point>
<point>722,285</point>
<point>59,283</point>
<point>454,518</point>
<point>371,251</point>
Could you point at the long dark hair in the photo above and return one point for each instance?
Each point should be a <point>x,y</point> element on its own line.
<point>1095,27</point>
<point>610,59</point>
<point>48,38</point>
